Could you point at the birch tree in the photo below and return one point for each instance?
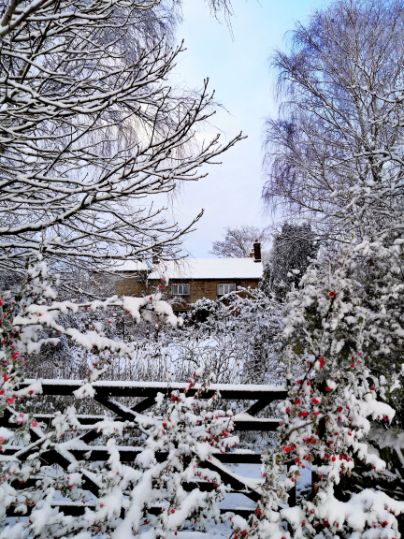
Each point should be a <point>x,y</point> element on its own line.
<point>339,132</point>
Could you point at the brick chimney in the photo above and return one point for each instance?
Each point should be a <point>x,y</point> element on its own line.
<point>257,251</point>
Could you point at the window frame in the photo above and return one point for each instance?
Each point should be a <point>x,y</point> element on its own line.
<point>228,288</point>
<point>178,287</point>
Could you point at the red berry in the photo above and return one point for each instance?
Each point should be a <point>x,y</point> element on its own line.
<point>321,362</point>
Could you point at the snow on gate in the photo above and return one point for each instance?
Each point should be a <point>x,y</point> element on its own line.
<point>130,402</point>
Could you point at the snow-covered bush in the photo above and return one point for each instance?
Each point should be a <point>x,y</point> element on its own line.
<point>191,429</point>
<point>240,332</point>
<point>338,330</point>
<point>188,431</point>
<point>292,250</point>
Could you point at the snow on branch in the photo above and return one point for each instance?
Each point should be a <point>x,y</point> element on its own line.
<point>90,128</point>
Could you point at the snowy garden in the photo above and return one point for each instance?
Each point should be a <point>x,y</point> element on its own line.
<point>268,413</point>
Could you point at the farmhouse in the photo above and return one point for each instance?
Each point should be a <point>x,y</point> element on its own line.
<point>185,281</point>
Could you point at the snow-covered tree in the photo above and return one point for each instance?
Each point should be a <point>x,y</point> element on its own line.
<point>90,128</point>
<point>339,128</point>
<point>238,242</point>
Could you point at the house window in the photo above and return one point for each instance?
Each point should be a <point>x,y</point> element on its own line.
<point>180,289</point>
<point>225,288</point>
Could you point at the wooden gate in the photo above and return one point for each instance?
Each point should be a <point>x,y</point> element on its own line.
<point>109,395</point>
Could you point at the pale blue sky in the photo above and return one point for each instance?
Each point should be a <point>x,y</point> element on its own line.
<point>237,63</point>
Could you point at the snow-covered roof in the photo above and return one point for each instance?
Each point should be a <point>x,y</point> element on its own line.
<point>209,268</point>
<point>197,268</point>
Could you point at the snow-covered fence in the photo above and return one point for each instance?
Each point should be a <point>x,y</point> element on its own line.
<point>114,396</point>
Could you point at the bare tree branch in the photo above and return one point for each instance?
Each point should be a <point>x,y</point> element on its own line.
<point>91,130</point>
